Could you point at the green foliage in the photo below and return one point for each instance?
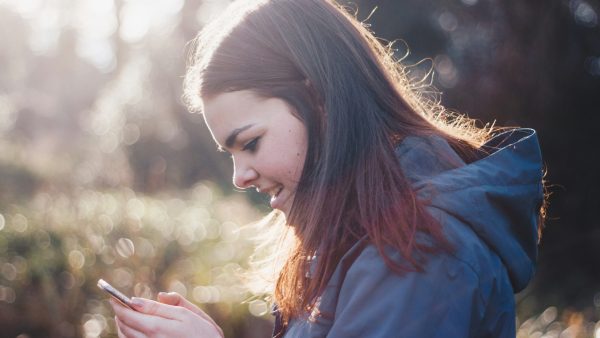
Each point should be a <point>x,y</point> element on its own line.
<point>55,248</point>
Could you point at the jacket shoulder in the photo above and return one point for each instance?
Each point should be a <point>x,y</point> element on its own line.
<point>374,300</point>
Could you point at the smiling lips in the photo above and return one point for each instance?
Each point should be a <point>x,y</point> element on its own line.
<point>276,202</point>
<point>274,193</point>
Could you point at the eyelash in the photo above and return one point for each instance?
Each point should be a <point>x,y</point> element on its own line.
<point>252,145</point>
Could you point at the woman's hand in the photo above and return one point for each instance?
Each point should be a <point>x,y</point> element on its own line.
<point>171,316</point>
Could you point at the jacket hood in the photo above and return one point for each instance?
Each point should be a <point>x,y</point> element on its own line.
<point>498,196</point>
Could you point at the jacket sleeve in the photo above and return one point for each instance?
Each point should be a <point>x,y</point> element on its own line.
<point>375,302</point>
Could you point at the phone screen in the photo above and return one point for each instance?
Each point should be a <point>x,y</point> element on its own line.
<point>118,295</point>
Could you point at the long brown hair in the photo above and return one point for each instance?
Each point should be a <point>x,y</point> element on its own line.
<point>357,104</point>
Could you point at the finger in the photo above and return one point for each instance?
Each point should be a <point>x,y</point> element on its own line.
<point>140,322</point>
<point>170,298</point>
<point>125,331</point>
<point>175,299</point>
<point>119,333</point>
<point>158,309</point>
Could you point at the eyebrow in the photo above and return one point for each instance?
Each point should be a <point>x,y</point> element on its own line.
<point>231,139</point>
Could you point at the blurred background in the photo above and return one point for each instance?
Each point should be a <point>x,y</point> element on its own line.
<point>104,173</point>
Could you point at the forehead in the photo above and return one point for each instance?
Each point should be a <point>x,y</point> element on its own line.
<point>229,106</point>
<point>226,111</point>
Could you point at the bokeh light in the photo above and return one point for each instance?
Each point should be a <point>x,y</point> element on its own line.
<point>584,13</point>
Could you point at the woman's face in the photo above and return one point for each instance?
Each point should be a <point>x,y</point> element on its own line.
<point>266,141</point>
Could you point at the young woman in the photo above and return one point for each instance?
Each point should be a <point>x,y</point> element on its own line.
<point>408,222</point>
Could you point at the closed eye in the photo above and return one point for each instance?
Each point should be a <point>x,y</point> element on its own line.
<point>252,145</point>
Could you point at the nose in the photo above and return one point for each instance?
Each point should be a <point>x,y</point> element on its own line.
<point>244,175</point>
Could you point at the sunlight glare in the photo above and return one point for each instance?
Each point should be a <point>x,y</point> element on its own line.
<point>208,9</point>
<point>135,22</point>
<point>96,22</point>
<point>45,31</point>
<point>168,7</point>
<point>96,19</point>
<point>25,8</point>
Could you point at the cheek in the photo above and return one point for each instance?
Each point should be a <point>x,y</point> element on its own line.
<point>297,154</point>
<point>287,157</point>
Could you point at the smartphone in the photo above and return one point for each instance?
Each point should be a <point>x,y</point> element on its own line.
<point>116,294</point>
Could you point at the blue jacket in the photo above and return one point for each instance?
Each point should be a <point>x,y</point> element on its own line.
<point>489,212</point>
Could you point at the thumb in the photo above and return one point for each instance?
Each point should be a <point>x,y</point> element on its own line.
<point>171,298</point>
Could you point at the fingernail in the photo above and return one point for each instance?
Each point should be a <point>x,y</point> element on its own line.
<point>162,293</point>
<point>137,302</point>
